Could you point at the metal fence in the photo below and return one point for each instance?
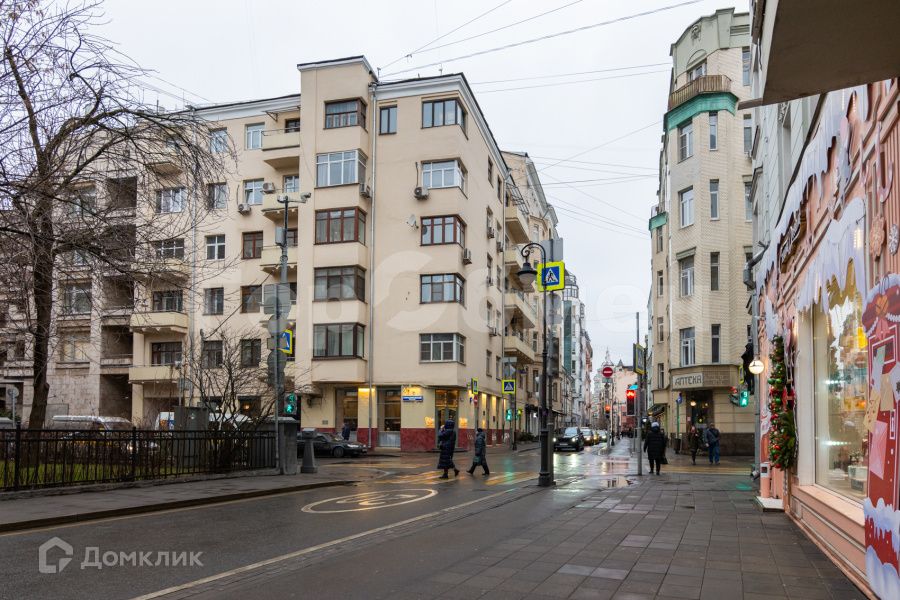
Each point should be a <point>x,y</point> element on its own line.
<point>31,459</point>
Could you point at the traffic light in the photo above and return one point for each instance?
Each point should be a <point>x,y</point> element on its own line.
<point>630,394</point>
<point>518,412</point>
<point>733,395</point>
<point>509,414</point>
<point>553,357</point>
<point>746,359</point>
<point>290,405</point>
<point>745,398</point>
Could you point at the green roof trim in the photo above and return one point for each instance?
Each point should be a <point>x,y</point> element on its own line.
<point>700,104</point>
<point>658,220</point>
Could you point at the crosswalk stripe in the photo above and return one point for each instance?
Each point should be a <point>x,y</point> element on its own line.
<point>511,478</point>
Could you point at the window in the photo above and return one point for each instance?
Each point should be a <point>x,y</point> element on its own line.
<point>168,301</point>
<point>339,283</point>
<point>748,202</point>
<point>216,196</point>
<point>697,72</point>
<point>251,353</point>
<point>448,287</point>
<point>443,174</point>
<point>122,192</point>
<point>215,247</point>
<point>442,347</point>
<point>490,315</point>
<point>253,136</point>
<point>686,141</point>
<point>499,188</point>
<point>347,113</point>
<point>252,244</point>
<point>490,267</point>
<point>659,239</point>
<point>290,183</point>
<point>488,359</point>
<point>290,237</point>
<point>340,168</point>
<point>661,375</point>
<point>714,271</point>
<point>253,191</point>
<point>170,200</point>
<point>686,266</point>
<point>169,249</point>
<point>686,206</point>
<point>490,172</point>
<point>212,354</point>
<point>291,125</point>
<point>748,133</point>
<point>841,393</point>
<point>338,340</point>
<point>713,131</point>
<point>687,347</point>
<point>660,330</point>
<point>443,112</point>
<point>340,225</point>
<point>715,337</point>
<point>443,230</point>
<point>218,140</point>
<point>213,301</point>
<point>387,120</point>
<point>251,298</point>
<point>745,66</point>
<point>84,202</point>
<point>497,372</point>
<point>659,283</point>
<point>714,199</point>
<point>73,347</point>
<point>165,353</point>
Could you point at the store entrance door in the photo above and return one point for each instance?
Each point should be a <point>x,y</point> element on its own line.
<point>389,417</point>
<point>446,407</point>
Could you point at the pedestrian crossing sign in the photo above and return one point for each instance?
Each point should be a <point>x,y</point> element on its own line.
<point>551,276</point>
<point>509,386</point>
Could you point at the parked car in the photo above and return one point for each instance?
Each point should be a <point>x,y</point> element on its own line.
<point>569,438</point>
<point>588,434</point>
<point>328,444</point>
<point>7,423</point>
<point>89,423</point>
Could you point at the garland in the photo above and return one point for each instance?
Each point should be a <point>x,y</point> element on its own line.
<point>783,433</point>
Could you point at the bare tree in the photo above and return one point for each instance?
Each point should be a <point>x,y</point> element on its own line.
<point>91,178</point>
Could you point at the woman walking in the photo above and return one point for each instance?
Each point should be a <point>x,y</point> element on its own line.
<point>480,456</point>
<point>447,443</point>
<point>694,443</point>
<point>655,446</point>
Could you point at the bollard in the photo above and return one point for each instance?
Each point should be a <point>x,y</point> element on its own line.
<point>309,459</point>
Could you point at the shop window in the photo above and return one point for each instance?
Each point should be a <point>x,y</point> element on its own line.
<point>841,392</point>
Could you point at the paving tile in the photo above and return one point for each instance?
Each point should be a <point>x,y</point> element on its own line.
<point>576,570</point>
<point>680,591</point>
<point>609,573</point>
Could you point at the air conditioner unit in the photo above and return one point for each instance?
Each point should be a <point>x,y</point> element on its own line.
<point>492,330</point>
<point>268,187</point>
<point>421,193</point>
<point>243,208</point>
<point>467,256</point>
<point>365,191</point>
<point>491,232</point>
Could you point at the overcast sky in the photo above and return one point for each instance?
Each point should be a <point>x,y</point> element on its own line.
<point>224,50</point>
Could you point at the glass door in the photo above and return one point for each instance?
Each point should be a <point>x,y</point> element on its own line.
<point>389,400</point>
<point>446,407</point>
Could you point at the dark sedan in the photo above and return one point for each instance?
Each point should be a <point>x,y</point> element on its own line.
<point>569,438</point>
<point>327,444</point>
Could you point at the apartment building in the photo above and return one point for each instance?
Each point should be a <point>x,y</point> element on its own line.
<point>574,356</point>
<point>701,232</point>
<point>406,311</point>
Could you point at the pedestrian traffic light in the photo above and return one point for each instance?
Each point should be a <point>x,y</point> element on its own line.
<point>552,365</point>
<point>746,359</point>
<point>509,414</point>
<point>290,405</point>
<point>745,397</point>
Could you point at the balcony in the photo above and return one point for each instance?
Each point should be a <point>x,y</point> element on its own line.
<point>512,260</point>
<point>153,374</point>
<point>165,162</point>
<point>281,148</point>
<point>513,345</point>
<point>159,322</point>
<point>274,210</point>
<point>115,364</point>
<point>165,269</point>
<point>517,305</point>
<point>516,224</point>
<point>707,84</point>
<point>271,259</point>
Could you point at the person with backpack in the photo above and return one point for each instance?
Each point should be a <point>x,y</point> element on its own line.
<point>712,440</point>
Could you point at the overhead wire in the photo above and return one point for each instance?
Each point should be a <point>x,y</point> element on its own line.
<point>585,220</point>
<point>559,83</point>
<point>547,36</point>
<point>602,201</point>
<point>595,215</point>
<point>572,74</point>
<point>589,162</point>
<point>601,145</point>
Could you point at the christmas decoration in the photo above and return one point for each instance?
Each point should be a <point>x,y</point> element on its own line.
<point>782,433</point>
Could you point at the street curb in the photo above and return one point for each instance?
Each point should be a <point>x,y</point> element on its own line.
<point>161,506</point>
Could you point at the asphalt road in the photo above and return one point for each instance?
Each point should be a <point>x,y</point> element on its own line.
<point>267,547</point>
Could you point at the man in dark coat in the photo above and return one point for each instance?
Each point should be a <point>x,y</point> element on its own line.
<point>447,444</point>
<point>345,431</point>
<point>712,439</point>
<point>480,457</point>
<point>655,446</point>
<point>694,443</point>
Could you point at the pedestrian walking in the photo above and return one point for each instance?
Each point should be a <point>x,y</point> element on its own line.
<point>345,431</point>
<point>447,444</point>
<point>655,446</point>
<point>712,440</point>
<point>480,457</point>
<point>694,443</point>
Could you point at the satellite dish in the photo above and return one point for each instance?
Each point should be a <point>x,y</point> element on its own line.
<point>413,222</point>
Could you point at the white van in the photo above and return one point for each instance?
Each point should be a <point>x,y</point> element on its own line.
<point>89,423</point>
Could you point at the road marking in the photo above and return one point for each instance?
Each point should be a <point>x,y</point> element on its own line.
<point>311,549</point>
<point>511,478</point>
<point>370,500</point>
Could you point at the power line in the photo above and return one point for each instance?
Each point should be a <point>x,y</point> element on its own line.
<point>628,176</point>
<point>547,36</point>
<point>611,69</point>
<point>602,201</point>
<point>591,162</point>
<point>601,145</point>
<point>558,83</point>
<point>440,37</point>
<point>586,221</point>
<point>598,215</point>
<point>609,171</point>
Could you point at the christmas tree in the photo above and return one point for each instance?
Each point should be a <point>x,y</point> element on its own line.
<point>782,433</point>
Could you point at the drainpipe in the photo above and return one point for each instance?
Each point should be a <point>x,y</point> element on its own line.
<point>186,372</point>
<point>370,367</point>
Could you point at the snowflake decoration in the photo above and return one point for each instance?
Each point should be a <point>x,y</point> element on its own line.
<point>894,239</point>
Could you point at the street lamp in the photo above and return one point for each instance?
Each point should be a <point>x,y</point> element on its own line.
<point>757,366</point>
<point>527,275</point>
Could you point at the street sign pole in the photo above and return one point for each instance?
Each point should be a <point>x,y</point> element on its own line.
<point>640,399</point>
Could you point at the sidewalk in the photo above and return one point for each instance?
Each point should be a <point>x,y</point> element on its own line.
<point>40,511</point>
